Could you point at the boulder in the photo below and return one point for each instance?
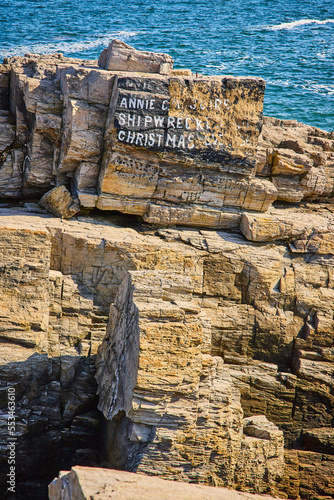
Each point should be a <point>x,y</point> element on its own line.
<point>60,203</point>
<point>120,56</point>
<point>285,224</point>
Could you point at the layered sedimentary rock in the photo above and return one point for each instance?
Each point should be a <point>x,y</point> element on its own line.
<point>209,344</point>
<point>139,138</point>
<point>157,378</point>
<point>133,135</point>
<point>121,57</point>
<point>226,330</point>
<point>298,159</point>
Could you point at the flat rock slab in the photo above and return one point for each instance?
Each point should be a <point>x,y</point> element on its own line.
<point>102,484</point>
<point>283,224</point>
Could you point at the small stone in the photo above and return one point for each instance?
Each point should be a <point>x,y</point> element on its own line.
<point>60,203</point>
<point>34,208</point>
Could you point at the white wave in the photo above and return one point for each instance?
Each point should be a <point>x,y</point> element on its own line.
<point>317,88</point>
<point>281,83</point>
<point>320,88</point>
<point>300,22</point>
<point>67,47</point>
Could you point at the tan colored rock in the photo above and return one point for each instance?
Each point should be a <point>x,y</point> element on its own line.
<point>85,482</point>
<point>120,56</point>
<point>174,148</point>
<point>194,215</point>
<point>237,311</point>
<point>166,146</point>
<point>86,177</point>
<point>287,224</point>
<point>315,240</point>
<point>25,258</point>
<point>60,203</point>
<point>321,440</point>
<point>247,476</point>
<point>7,131</point>
<point>198,418</point>
<point>308,474</point>
<point>160,135</point>
<point>35,90</point>
<point>11,158</point>
<point>297,158</point>
<point>181,72</point>
<point>11,173</point>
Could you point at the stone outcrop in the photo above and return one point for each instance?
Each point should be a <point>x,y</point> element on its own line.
<point>226,329</point>
<point>298,159</point>
<point>84,482</point>
<point>134,136</point>
<point>208,346</point>
<point>119,56</point>
<point>157,377</point>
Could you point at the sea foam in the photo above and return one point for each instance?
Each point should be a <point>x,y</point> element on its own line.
<point>300,22</point>
<point>320,88</point>
<point>66,46</point>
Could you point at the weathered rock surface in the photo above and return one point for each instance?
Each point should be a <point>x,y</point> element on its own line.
<point>216,341</point>
<point>59,202</point>
<point>174,399</point>
<point>134,136</point>
<point>302,227</point>
<point>218,327</point>
<point>104,484</point>
<point>298,159</point>
<point>119,56</point>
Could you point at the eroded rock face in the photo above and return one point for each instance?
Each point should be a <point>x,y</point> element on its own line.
<point>226,329</point>
<point>135,136</point>
<point>182,149</point>
<point>176,400</point>
<point>119,56</point>
<point>298,158</point>
<point>216,341</point>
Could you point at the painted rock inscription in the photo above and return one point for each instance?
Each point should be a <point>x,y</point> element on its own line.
<point>216,119</point>
<point>182,149</point>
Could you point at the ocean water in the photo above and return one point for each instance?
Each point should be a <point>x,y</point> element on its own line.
<point>288,43</point>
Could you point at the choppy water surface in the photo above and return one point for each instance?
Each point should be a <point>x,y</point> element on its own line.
<point>288,43</point>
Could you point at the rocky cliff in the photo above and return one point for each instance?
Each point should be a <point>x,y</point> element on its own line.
<point>193,337</point>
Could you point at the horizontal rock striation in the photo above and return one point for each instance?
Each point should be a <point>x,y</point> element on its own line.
<point>144,139</point>
<point>138,138</point>
<point>298,159</point>
<point>208,346</point>
<point>172,398</point>
<point>206,332</point>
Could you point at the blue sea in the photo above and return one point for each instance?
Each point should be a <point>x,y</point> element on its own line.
<point>288,43</point>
